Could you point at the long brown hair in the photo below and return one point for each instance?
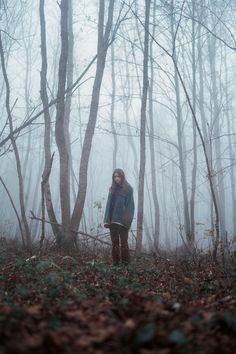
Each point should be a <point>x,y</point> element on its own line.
<point>124,183</point>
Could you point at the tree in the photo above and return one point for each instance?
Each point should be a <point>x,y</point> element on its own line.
<point>60,127</point>
<point>102,46</point>
<point>156,231</point>
<point>26,229</point>
<point>143,130</point>
<point>47,126</point>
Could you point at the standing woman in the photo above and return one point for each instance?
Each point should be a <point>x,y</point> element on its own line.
<point>119,214</point>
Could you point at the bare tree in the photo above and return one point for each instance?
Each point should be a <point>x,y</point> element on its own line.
<point>156,231</point>
<point>143,130</point>
<point>60,127</point>
<point>47,125</point>
<point>194,99</point>
<point>17,157</point>
<point>216,132</point>
<point>231,147</point>
<point>113,99</point>
<point>180,134</point>
<point>102,46</point>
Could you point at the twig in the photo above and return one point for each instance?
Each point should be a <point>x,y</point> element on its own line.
<point>95,238</point>
<point>34,217</point>
<point>13,205</point>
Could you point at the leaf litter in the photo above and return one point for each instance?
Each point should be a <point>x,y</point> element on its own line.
<point>64,304</point>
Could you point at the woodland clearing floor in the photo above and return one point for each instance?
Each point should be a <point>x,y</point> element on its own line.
<point>74,304</point>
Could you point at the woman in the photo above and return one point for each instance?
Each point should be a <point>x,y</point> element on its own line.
<point>119,215</point>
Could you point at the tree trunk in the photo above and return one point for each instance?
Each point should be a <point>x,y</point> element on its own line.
<point>47,125</point>
<point>205,124</point>
<point>180,140</point>
<point>194,169</point>
<point>143,132</point>
<point>60,129</point>
<point>13,142</point>
<point>217,145</point>
<point>231,151</point>
<point>102,46</point>
<point>156,231</point>
<point>113,97</point>
<point>70,72</point>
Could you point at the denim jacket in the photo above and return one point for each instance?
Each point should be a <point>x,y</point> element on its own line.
<point>123,208</point>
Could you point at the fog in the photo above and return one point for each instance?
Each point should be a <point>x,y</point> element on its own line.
<point>188,117</point>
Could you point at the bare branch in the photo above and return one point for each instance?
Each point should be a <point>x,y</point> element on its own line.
<point>15,210</point>
<point>211,32</point>
<point>95,238</point>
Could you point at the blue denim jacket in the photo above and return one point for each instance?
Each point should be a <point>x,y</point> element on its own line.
<point>123,208</point>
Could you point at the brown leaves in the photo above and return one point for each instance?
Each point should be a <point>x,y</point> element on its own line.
<point>94,308</point>
<point>33,310</point>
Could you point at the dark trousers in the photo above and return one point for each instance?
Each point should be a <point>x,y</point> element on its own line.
<point>119,236</point>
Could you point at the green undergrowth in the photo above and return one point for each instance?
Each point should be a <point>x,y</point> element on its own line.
<point>74,304</point>
<point>65,278</point>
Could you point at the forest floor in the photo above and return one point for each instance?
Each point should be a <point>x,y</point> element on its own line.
<point>80,304</point>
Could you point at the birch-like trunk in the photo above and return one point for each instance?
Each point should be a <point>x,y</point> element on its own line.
<point>47,124</point>
<point>60,128</point>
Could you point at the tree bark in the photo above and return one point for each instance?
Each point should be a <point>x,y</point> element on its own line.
<point>217,144</point>
<point>68,102</point>
<point>102,46</point>
<point>231,151</point>
<point>156,231</point>
<point>180,138</point>
<point>47,125</point>
<point>60,129</point>
<point>194,168</point>
<point>113,97</point>
<point>143,131</point>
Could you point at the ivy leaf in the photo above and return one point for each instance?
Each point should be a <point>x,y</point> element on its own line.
<point>145,335</point>
<point>230,320</point>
<point>177,337</point>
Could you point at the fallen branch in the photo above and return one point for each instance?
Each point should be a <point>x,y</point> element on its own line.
<point>34,217</point>
<point>96,238</point>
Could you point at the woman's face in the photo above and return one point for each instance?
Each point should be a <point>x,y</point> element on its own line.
<point>117,178</point>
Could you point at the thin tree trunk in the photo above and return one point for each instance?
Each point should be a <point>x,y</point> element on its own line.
<point>231,152</point>
<point>180,143</point>
<point>156,231</point>
<point>102,46</point>
<point>18,163</point>
<point>126,86</point>
<point>70,72</point>
<point>34,205</point>
<point>143,132</point>
<point>47,125</point>
<point>217,145</point>
<point>60,129</point>
<point>113,97</point>
<point>15,210</point>
<point>194,169</point>
<point>204,124</point>
<point>27,149</point>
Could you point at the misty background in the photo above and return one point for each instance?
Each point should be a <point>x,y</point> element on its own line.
<point>146,86</point>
